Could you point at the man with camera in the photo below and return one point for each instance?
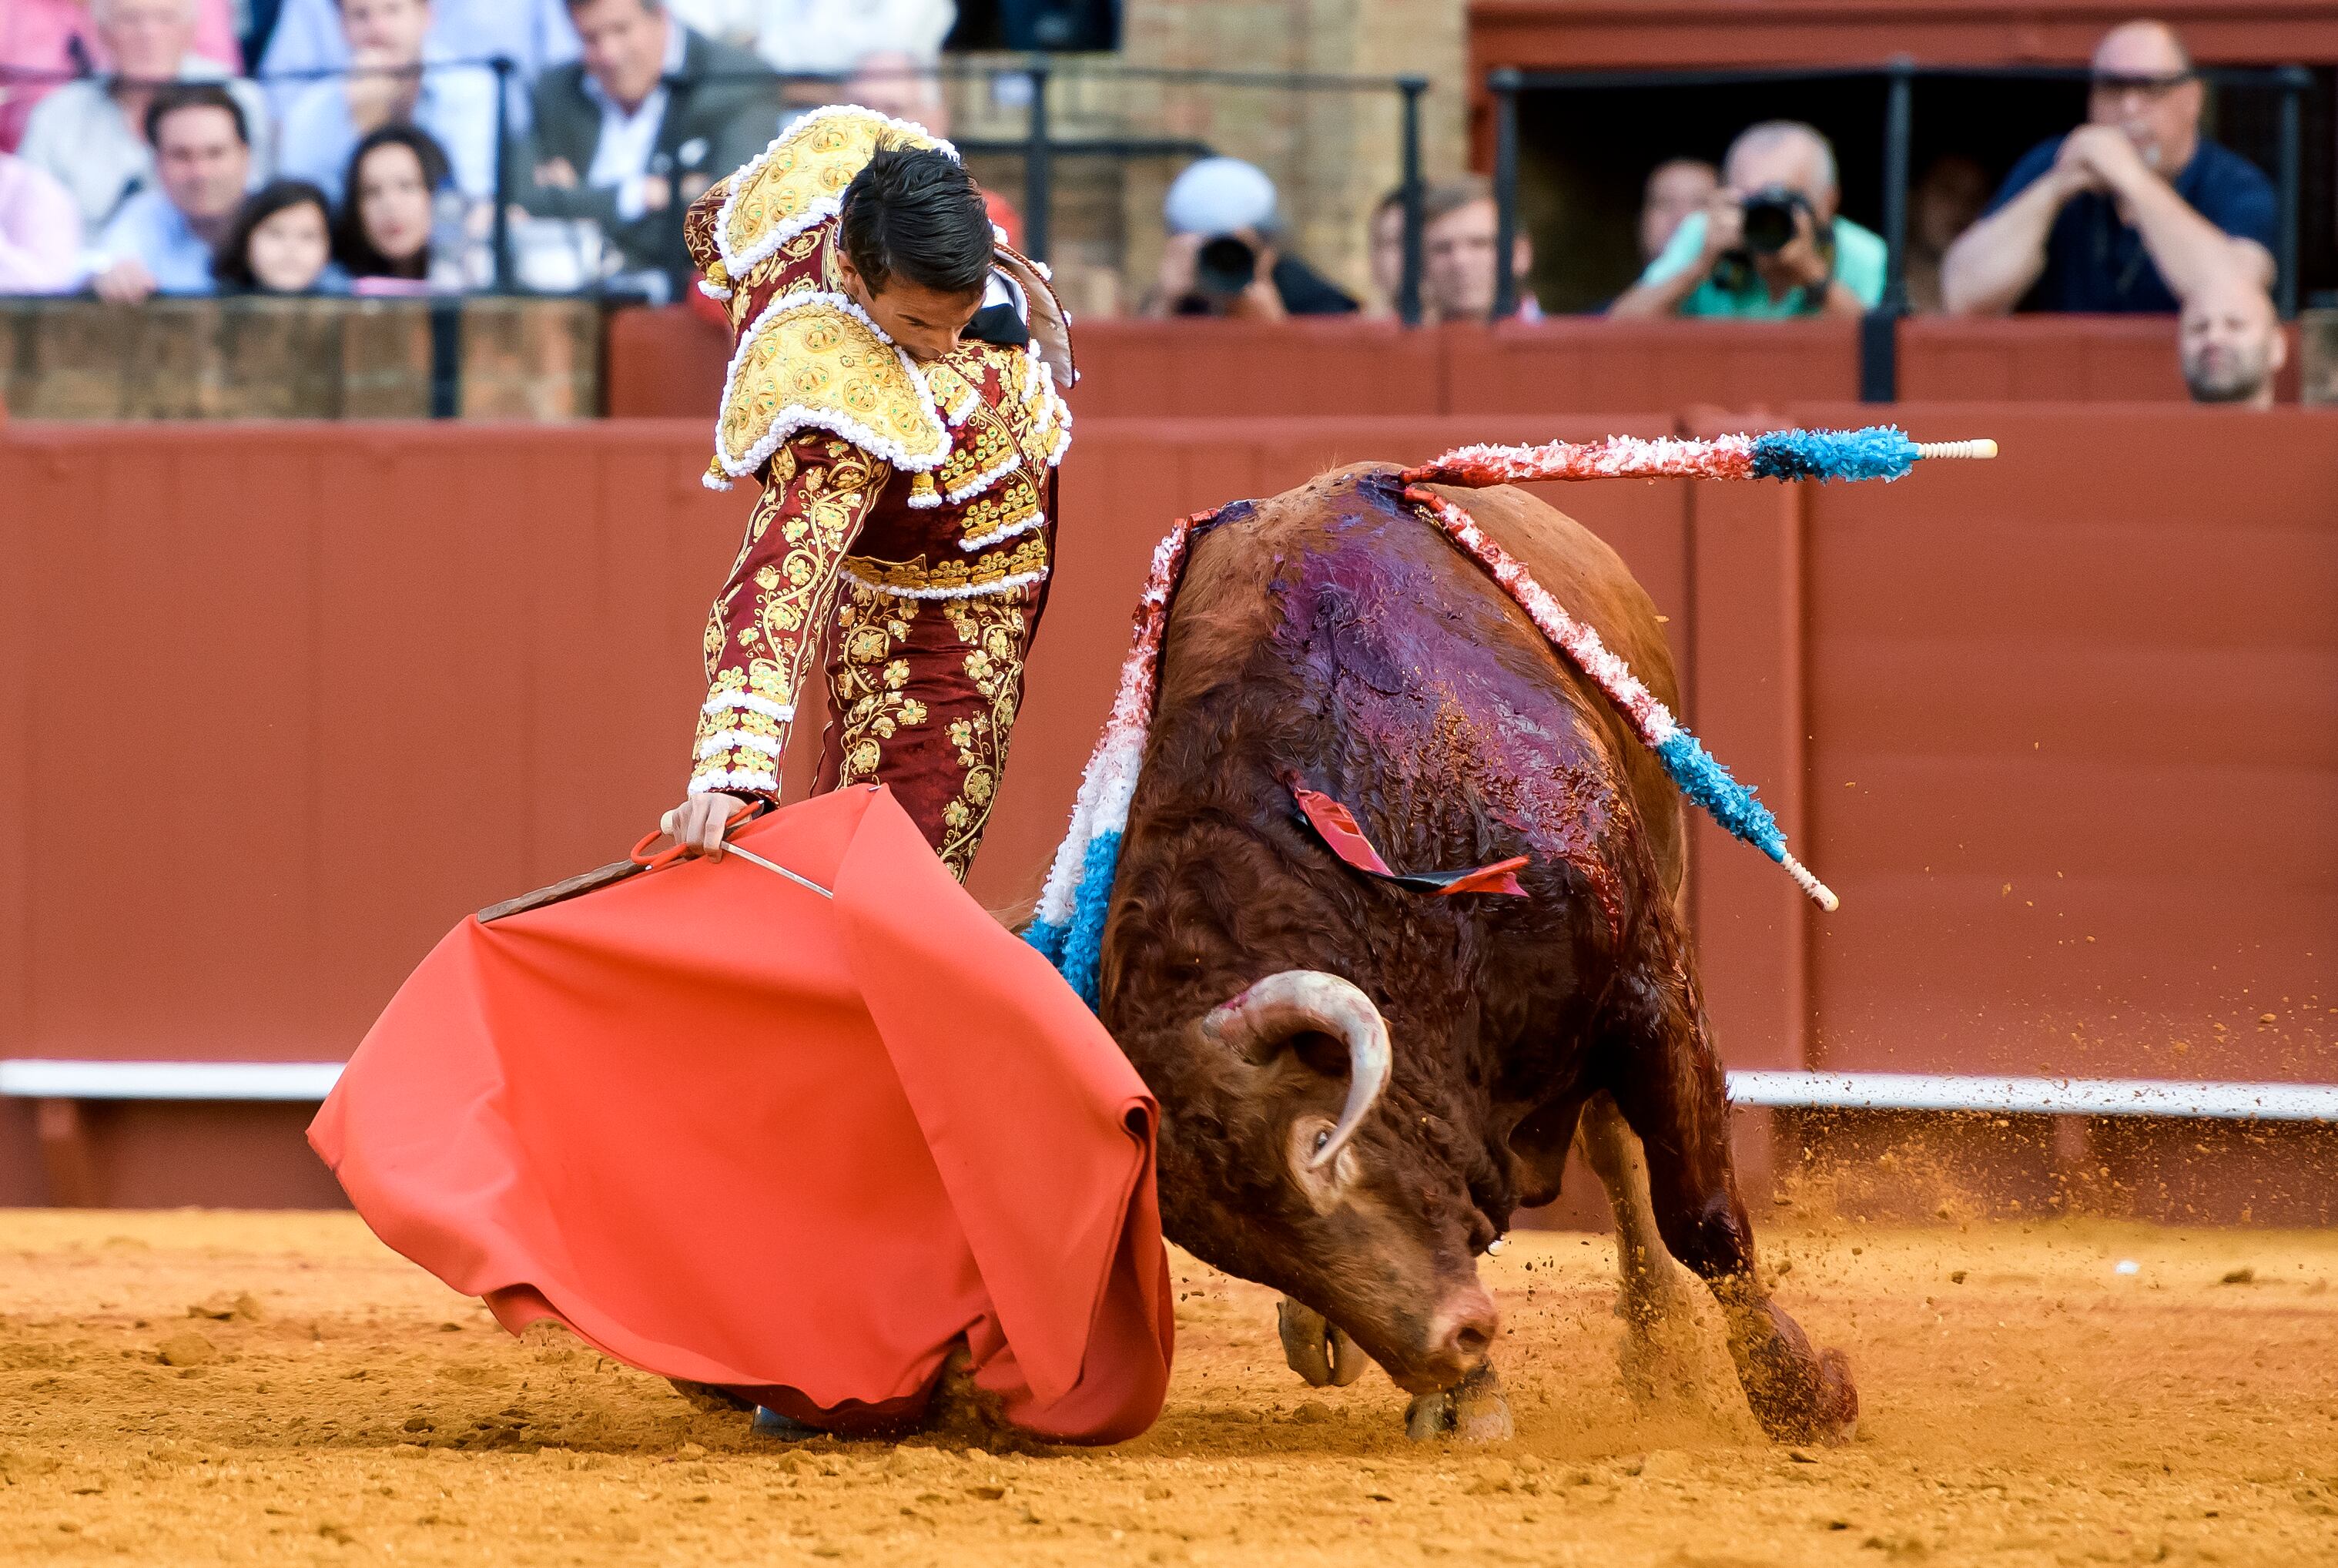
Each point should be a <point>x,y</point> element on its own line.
<point>1768,243</point>
<point>1224,255</point>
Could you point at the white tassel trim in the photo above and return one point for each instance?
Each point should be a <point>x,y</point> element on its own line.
<point>713,482</point>
<point>713,290</point>
<point>715,778</point>
<point>795,416</point>
<point>984,540</point>
<point>729,739</point>
<point>819,212</point>
<point>972,591</point>
<point>753,702</point>
<point>926,502</point>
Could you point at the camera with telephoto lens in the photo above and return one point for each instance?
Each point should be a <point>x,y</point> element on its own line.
<point>1769,226</point>
<point>1224,266</point>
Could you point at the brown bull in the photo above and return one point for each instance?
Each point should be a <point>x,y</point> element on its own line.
<point>1360,1083</point>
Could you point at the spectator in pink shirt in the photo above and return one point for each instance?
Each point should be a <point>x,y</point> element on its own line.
<point>40,231</point>
<point>57,35</point>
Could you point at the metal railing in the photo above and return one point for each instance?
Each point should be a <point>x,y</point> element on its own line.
<point>1899,75</point>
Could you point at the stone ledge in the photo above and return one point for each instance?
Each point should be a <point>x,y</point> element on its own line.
<point>310,358</point>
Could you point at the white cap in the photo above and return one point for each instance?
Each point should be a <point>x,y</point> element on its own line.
<point>1218,196</point>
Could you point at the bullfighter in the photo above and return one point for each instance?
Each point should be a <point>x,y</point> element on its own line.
<point>896,390</point>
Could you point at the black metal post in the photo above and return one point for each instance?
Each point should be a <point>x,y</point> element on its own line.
<point>2295,80</point>
<point>1408,289</point>
<point>1038,172</point>
<point>1899,132</point>
<point>1503,82</point>
<point>502,219</point>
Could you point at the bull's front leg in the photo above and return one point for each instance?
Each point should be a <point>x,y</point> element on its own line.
<point>1670,1090</point>
<point>1662,1355</point>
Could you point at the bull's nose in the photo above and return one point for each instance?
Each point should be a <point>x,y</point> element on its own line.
<point>1464,1329</point>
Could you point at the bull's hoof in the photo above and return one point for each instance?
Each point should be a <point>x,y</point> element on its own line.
<point>1826,1410</point>
<point>1318,1349</point>
<point>1473,1410</point>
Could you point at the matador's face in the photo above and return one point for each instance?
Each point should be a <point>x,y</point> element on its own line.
<point>926,322</point>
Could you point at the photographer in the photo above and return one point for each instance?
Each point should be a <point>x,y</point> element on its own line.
<point>1768,242</point>
<point>1223,256</point>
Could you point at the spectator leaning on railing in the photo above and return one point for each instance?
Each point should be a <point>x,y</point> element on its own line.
<point>632,133</point>
<point>40,231</point>
<point>88,133</point>
<point>2229,342</point>
<point>2131,211</point>
<point>397,79</point>
<point>1768,243</point>
<point>1943,203</point>
<point>163,238</point>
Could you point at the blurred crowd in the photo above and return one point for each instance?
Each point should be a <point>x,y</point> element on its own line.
<point>358,153</point>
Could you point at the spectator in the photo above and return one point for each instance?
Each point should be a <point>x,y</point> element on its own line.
<point>1676,188</point>
<point>2128,212</point>
<point>631,134</point>
<point>827,37</point>
<point>1458,271</point>
<point>281,243</point>
<point>162,238</point>
<point>386,44</point>
<point>56,36</point>
<point>1768,243</point>
<point>385,233</point>
<point>40,230</point>
<point>1942,205</point>
<point>2230,342</point>
<point>87,133</point>
<point>533,34</point>
<point>1224,255</point>
<point>1384,252</point>
<point>897,82</point>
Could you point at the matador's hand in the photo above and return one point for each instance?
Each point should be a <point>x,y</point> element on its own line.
<point>697,823</point>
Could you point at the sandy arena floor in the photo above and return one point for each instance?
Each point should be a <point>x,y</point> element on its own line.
<point>2026,1403</point>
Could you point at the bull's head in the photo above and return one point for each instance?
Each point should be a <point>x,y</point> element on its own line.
<point>1301,1186</point>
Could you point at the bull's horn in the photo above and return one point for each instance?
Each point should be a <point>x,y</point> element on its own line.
<point>1262,1019</point>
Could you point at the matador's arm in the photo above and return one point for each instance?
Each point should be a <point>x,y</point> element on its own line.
<point>767,623</point>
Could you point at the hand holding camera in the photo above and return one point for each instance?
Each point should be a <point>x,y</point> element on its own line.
<point>1773,231</point>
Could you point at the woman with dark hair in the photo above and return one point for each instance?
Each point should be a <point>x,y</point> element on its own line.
<point>391,206</point>
<point>281,242</point>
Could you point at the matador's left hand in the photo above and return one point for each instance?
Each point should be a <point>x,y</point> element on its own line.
<point>698,822</point>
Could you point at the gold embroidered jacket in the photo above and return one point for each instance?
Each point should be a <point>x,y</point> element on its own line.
<point>920,482</point>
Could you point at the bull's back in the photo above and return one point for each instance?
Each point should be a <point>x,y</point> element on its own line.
<point>1438,680</point>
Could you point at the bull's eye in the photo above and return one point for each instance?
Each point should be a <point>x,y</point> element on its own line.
<point>1322,1138</point>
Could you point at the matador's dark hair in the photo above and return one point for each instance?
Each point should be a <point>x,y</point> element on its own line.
<point>916,213</point>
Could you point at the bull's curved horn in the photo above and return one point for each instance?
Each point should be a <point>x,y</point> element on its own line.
<point>1256,1025</point>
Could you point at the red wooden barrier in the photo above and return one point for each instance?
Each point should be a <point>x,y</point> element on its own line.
<point>2051,359</point>
<point>281,702</point>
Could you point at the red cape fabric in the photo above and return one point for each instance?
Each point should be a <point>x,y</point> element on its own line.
<point>729,1131</point>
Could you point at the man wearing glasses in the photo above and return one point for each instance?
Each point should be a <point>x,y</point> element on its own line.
<point>2132,212</point>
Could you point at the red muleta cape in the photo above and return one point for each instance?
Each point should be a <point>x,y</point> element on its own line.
<point>730,1131</point>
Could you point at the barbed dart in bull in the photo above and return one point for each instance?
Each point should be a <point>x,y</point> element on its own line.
<point>1878,452</point>
<point>1067,926</point>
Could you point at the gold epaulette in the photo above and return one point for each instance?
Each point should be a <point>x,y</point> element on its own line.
<point>800,178</point>
<point>814,361</point>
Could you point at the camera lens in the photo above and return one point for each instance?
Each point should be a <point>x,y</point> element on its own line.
<point>1770,220</point>
<point>1225,265</point>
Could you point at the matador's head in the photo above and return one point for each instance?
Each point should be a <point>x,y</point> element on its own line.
<point>916,247</point>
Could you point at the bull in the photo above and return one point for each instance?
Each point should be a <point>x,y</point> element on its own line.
<point>1361,1084</point>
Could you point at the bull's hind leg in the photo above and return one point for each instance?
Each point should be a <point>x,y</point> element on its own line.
<point>1661,1354</point>
<point>1670,1090</point>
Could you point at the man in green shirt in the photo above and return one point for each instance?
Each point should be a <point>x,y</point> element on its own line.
<point>1826,266</point>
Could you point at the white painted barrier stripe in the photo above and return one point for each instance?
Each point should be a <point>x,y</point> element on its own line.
<point>2036,1096</point>
<point>291,1081</point>
<point>311,1082</point>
